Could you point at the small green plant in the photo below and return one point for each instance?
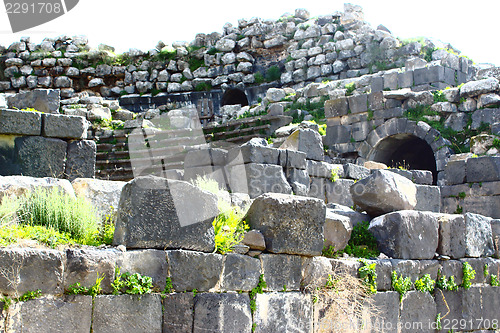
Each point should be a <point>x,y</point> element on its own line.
<point>7,302</point>
<point>259,78</point>
<point>259,289</point>
<point>334,176</point>
<point>462,195</point>
<point>30,295</point>
<point>169,288</point>
<point>195,292</point>
<point>350,87</point>
<point>328,252</point>
<point>425,284</point>
<point>94,290</point>
<point>362,243</point>
<point>400,284</point>
<point>459,210</point>
<point>132,284</point>
<point>254,327</point>
<point>445,283</point>
<point>203,86</point>
<point>439,96</point>
<point>212,51</point>
<point>284,288</point>
<point>439,326</point>
<point>469,275</point>
<point>368,273</point>
<point>273,74</point>
<point>370,115</point>
<point>494,281</point>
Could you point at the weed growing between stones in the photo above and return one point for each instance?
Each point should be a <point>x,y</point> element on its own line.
<point>469,275</point>
<point>362,243</point>
<point>400,284</point>
<point>52,218</point>
<point>78,289</point>
<point>259,289</point>
<point>131,284</point>
<point>425,284</point>
<point>334,176</point>
<point>29,295</point>
<point>368,273</point>
<point>444,283</point>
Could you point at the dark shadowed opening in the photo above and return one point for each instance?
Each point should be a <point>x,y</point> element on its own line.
<point>407,151</point>
<point>234,96</point>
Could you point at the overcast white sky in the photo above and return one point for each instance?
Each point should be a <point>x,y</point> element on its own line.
<point>468,26</point>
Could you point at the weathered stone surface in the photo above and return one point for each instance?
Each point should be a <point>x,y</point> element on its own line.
<point>323,169</point>
<point>46,314</point>
<point>253,152</point>
<point>194,270</point>
<point>357,172</point>
<point>227,312</point>
<point>338,192</point>
<point>338,230</point>
<point>159,213</point>
<point>336,107</point>
<point>406,234</point>
<point>283,312</point>
<point>178,313</point>
<point>474,88</point>
<point>20,122</point>
<point>478,236</point>
<point>383,192</point>
<point>213,156</point>
<point>151,263</point>
<point>127,313</point>
<point>354,216</point>
<point>275,94</point>
<point>483,169</point>
<point>66,127</point>
<point>358,103</point>
<point>422,177</point>
<point>307,141</point>
<point>255,240</point>
<point>292,159</point>
<point>428,198</point>
<point>452,236</point>
<point>40,157</point>
<point>418,312</point>
<point>43,100</point>
<point>81,159</point>
<point>315,272</point>
<point>84,266</point>
<point>281,272</point>
<point>31,269</point>
<point>299,181</point>
<point>103,194</point>
<point>386,307</point>
<point>240,272</point>
<point>455,172</point>
<point>290,224</point>
<point>18,185</point>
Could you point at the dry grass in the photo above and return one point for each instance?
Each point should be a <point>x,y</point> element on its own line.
<point>344,305</point>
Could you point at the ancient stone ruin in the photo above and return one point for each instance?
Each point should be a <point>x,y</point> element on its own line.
<point>244,174</point>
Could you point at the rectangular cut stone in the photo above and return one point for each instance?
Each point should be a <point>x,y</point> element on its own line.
<point>81,159</point>
<point>483,169</point>
<point>317,188</point>
<point>337,134</point>
<point>418,312</point>
<point>428,75</point>
<point>203,157</point>
<point>292,159</point>
<point>357,172</point>
<point>282,272</point>
<point>256,179</point>
<point>376,101</point>
<point>478,236</point>
<point>336,107</point>
<point>338,192</point>
<point>241,272</point>
<point>253,154</point>
<point>377,84</point>
<point>452,236</point>
<point>324,170</point>
<point>405,79</point>
<point>66,127</point>
<point>428,198</point>
<point>20,122</point>
<point>148,262</point>
<point>178,313</point>
<point>358,103</point>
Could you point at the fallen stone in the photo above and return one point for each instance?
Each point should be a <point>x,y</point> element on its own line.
<point>255,240</point>
<point>158,213</point>
<point>307,141</point>
<point>383,192</point>
<point>290,224</point>
<point>43,100</point>
<point>338,230</point>
<point>127,313</point>
<point>81,159</point>
<point>406,234</point>
<point>227,312</point>
<point>19,185</point>
<point>103,194</point>
<point>191,270</point>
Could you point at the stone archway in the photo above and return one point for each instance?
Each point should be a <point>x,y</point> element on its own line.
<point>400,141</point>
<point>234,96</point>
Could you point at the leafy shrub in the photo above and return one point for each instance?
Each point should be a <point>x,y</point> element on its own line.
<point>469,275</point>
<point>425,284</point>
<point>368,273</point>
<point>132,284</point>
<point>259,78</point>
<point>203,86</point>
<point>273,74</point>
<point>362,243</point>
<point>439,96</point>
<point>444,283</point>
<point>350,88</point>
<point>400,284</point>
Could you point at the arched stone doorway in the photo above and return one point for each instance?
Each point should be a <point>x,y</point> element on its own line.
<point>404,142</point>
<point>234,96</point>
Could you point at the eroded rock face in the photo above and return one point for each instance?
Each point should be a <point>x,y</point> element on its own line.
<point>290,224</point>
<point>384,192</point>
<point>338,230</point>
<point>158,213</point>
<point>407,234</point>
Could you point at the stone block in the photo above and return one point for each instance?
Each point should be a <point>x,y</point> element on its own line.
<point>20,122</point>
<point>376,101</point>
<point>256,179</point>
<point>428,198</point>
<point>418,312</point>
<point>377,84</point>
<point>355,217</point>
<point>43,100</point>
<point>203,157</point>
<point>452,236</point>
<point>31,269</point>
<point>103,194</point>
<point>387,311</point>
<point>428,75</point>
<point>282,272</point>
<point>251,153</point>
<point>336,107</point>
<point>383,192</point>
<point>315,272</point>
<point>191,270</point>
<point>222,313</point>
<point>85,266</point>
<point>216,173</point>
<point>338,192</point>
<point>391,80</point>
<point>159,213</point>
<point>396,234</point>
<point>151,263</point>
<point>358,103</point>
<point>317,188</point>
<point>127,313</point>
<point>283,312</point>
<point>66,127</point>
<point>178,313</point>
<point>405,79</point>
<point>40,157</point>
<point>478,236</point>
<point>299,181</point>
<point>483,169</point>
<point>290,224</point>
<point>324,170</point>
<point>308,141</point>
<point>240,272</point>
<point>338,134</point>
<point>404,173</point>
<point>475,88</point>
<point>356,172</point>
<point>346,266</point>
<point>384,270</point>
<point>292,159</point>
<point>81,159</point>
<point>422,177</point>
<point>337,230</point>
<point>46,314</point>
<point>18,185</point>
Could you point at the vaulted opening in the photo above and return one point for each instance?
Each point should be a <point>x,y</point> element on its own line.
<point>233,97</point>
<point>407,151</point>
